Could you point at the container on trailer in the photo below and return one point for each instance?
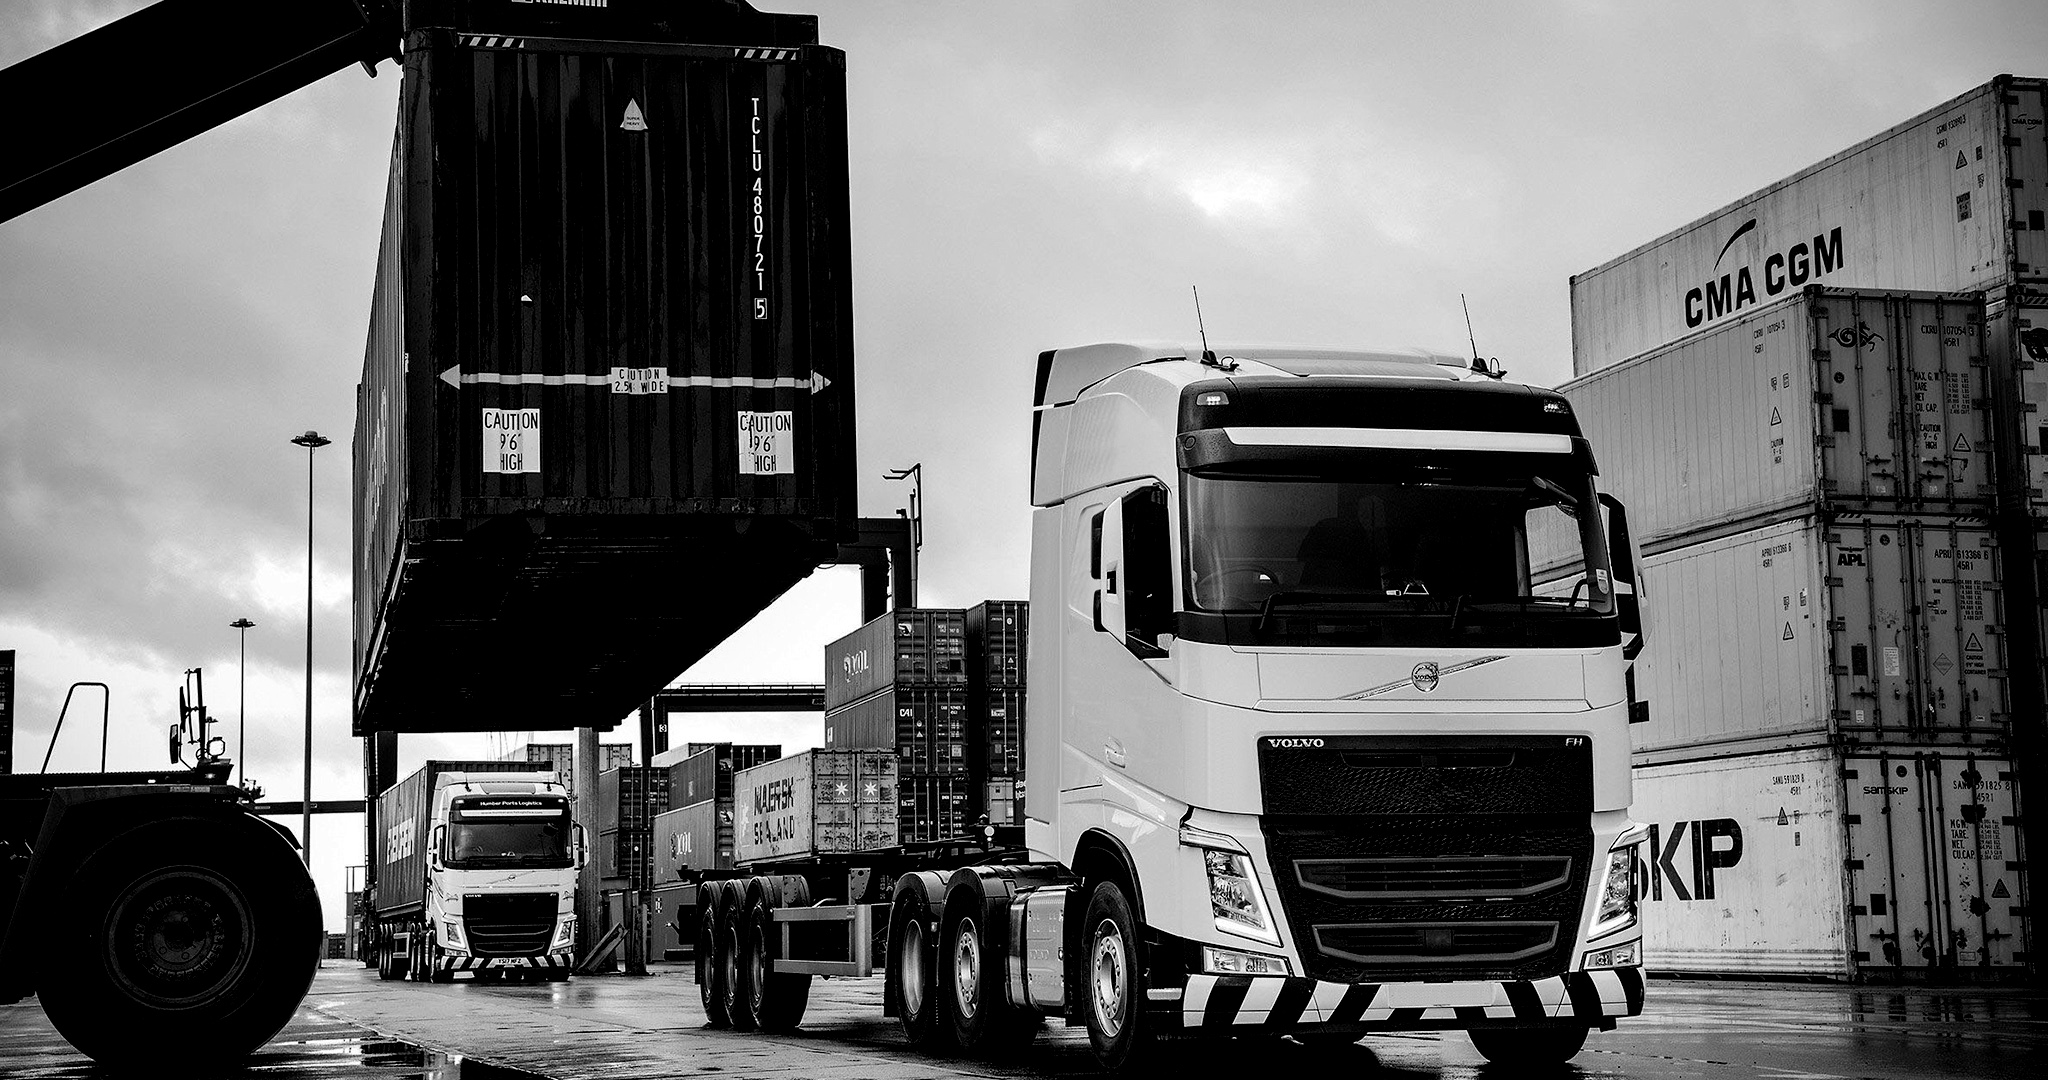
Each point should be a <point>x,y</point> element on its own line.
<point>1870,400</point>
<point>996,630</point>
<point>1863,864</point>
<point>912,646</point>
<point>707,772</point>
<point>925,726</point>
<point>744,755</point>
<point>816,802</point>
<point>628,797</point>
<point>1950,200</point>
<point>1882,628</point>
<point>932,808</point>
<point>405,813</point>
<point>692,840</point>
<point>610,343</point>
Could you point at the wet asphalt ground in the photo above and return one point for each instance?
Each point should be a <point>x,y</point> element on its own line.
<point>626,1028</point>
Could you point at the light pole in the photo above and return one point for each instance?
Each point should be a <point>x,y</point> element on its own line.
<point>915,515</point>
<point>312,441</point>
<point>242,705</point>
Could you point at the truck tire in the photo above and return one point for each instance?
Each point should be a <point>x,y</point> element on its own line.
<point>710,973</point>
<point>731,950</point>
<point>912,975</point>
<point>974,1007</point>
<point>1113,982</point>
<point>387,964</point>
<point>195,933</point>
<point>777,998</point>
<point>1550,1045</point>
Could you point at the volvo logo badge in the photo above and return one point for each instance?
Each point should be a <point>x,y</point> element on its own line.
<point>1424,676</point>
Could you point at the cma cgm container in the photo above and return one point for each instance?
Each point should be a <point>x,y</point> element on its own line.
<point>918,646</point>
<point>1875,400</point>
<point>1867,865</point>
<point>1883,628</point>
<point>816,802</point>
<point>610,346</point>
<point>1952,200</point>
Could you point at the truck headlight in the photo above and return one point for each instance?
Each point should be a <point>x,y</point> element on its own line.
<point>451,935</point>
<point>1235,899</point>
<point>1617,910</point>
<point>565,933</point>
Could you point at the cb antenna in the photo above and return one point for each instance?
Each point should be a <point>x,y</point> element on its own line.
<point>1491,370</point>
<point>1208,354</point>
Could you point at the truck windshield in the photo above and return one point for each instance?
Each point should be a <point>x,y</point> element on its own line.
<point>1438,548</point>
<point>485,832</point>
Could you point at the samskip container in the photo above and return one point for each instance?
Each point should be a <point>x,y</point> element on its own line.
<point>912,646</point>
<point>403,830</point>
<point>1879,627</point>
<point>1866,864</point>
<point>1871,400</point>
<point>610,352</point>
<point>1952,199</point>
<point>693,839</point>
<point>816,802</point>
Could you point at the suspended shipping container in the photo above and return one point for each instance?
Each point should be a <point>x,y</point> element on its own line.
<point>1951,200</point>
<point>606,412</point>
<point>1886,628</point>
<point>1877,401</point>
<point>816,802</point>
<point>912,646</point>
<point>1870,865</point>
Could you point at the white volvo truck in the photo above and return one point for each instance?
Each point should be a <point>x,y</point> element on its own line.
<point>1308,752</point>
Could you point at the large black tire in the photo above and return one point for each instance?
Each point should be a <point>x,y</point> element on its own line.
<point>974,1007</point>
<point>777,998</point>
<point>1113,982</point>
<point>1553,1045</point>
<point>195,933</point>
<point>710,973</point>
<point>912,966</point>
<point>732,902</point>
<point>387,964</point>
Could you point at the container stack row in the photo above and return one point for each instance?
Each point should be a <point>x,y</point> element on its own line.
<point>629,798</point>
<point>1813,403</point>
<point>563,757</point>
<point>900,684</point>
<point>996,632</point>
<point>697,834</point>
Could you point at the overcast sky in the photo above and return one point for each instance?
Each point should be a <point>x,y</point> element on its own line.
<point>1024,176</point>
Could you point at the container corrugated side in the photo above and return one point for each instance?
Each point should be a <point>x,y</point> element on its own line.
<point>1876,401</point>
<point>694,779</point>
<point>910,646</point>
<point>996,632</point>
<point>1950,200</point>
<point>1001,720</point>
<point>815,802</point>
<point>1902,862</point>
<point>687,841</point>
<point>602,359</point>
<point>1887,628</point>
<point>925,726</point>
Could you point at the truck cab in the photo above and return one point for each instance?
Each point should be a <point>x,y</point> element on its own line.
<point>1298,698</point>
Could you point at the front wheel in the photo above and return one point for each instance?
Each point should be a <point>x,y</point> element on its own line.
<point>183,927</point>
<point>710,973</point>
<point>1113,981</point>
<point>1529,1046</point>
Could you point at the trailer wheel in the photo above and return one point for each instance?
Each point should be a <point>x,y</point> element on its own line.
<point>387,964</point>
<point>1112,984</point>
<point>732,954</point>
<point>710,973</point>
<point>778,998</point>
<point>1552,1045</point>
<point>911,967</point>
<point>183,926</point>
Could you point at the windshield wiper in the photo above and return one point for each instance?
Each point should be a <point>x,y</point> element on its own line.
<point>1306,597</point>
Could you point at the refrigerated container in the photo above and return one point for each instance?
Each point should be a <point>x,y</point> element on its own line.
<point>1950,200</point>
<point>610,344</point>
<point>912,647</point>
<point>1873,400</point>
<point>1867,864</point>
<point>816,802</point>
<point>2017,335</point>
<point>1876,627</point>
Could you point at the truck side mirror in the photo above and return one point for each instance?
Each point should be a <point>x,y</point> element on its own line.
<point>434,851</point>
<point>582,846</point>
<point>1629,595</point>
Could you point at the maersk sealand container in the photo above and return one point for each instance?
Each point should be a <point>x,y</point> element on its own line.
<point>606,413</point>
<point>1955,199</point>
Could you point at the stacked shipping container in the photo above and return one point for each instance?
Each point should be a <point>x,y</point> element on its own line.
<point>900,683</point>
<point>628,800</point>
<point>696,835</point>
<point>1834,489</point>
<point>996,632</point>
<point>563,757</point>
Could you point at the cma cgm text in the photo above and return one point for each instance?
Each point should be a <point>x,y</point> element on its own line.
<point>1791,268</point>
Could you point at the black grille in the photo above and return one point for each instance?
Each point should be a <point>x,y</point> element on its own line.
<point>1437,942</point>
<point>1443,878</point>
<point>508,924</point>
<point>1373,774</point>
<point>1326,869</point>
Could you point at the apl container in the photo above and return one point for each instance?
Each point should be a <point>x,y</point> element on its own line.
<point>1952,199</point>
<point>1870,400</point>
<point>1877,627</point>
<point>912,646</point>
<point>816,802</point>
<point>610,345</point>
<point>1870,865</point>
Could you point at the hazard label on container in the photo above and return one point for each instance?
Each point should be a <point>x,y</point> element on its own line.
<point>1787,636</point>
<point>1943,665</point>
<point>1962,446</point>
<point>1775,418</point>
<point>2000,892</point>
<point>511,441</point>
<point>767,443</point>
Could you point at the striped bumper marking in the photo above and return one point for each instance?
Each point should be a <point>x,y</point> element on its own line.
<point>1223,1002</point>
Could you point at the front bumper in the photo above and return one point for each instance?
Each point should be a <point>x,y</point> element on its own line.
<point>563,959</point>
<point>1215,1003</point>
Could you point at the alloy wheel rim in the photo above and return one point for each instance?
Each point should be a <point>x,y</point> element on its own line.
<point>1109,969</point>
<point>967,969</point>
